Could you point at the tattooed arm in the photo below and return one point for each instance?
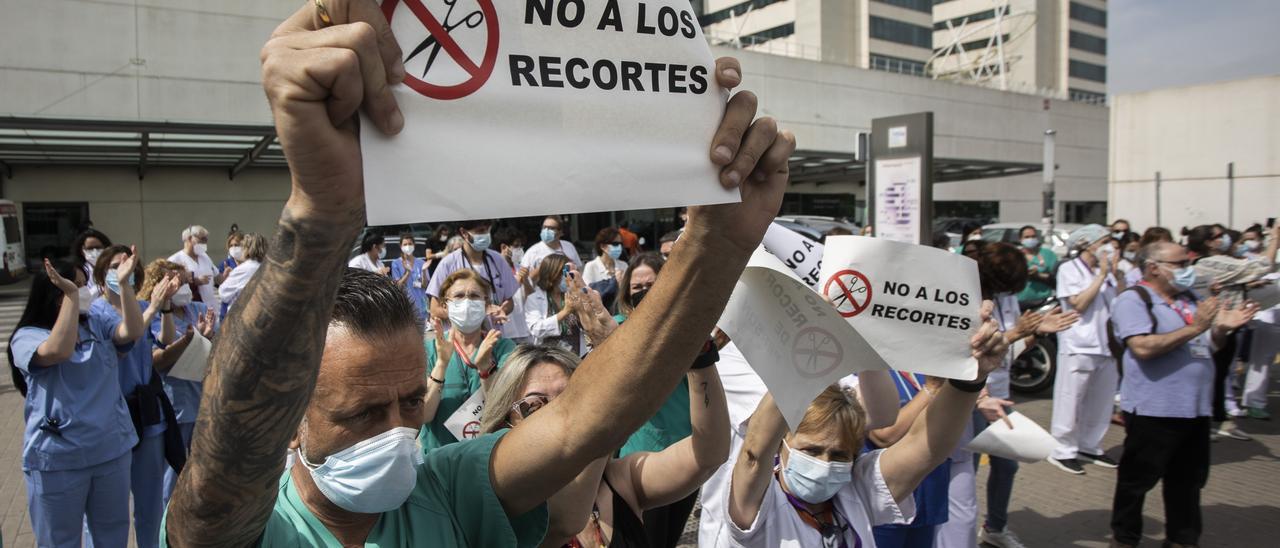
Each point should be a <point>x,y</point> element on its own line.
<point>267,357</point>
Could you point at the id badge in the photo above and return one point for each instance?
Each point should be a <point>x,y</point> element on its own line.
<point>1200,348</point>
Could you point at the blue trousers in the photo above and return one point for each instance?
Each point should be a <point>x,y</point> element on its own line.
<point>171,478</point>
<point>62,502</point>
<point>999,482</point>
<point>149,469</point>
<point>904,537</point>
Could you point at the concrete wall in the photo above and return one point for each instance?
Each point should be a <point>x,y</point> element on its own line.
<point>1189,135</point>
<point>826,105</point>
<point>152,213</point>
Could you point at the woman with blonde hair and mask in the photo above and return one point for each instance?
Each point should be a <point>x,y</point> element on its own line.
<point>604,505</point>
<point>188,318</point>
<point>810,487</point>
<point>253,252</point>
<point>465,359</point>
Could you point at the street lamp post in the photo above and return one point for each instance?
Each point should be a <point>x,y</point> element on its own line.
<point>1050,211</point>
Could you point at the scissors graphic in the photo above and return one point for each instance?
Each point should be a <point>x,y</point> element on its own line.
<point>472,20</point>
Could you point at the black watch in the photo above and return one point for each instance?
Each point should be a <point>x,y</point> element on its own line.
<point>707,357</point>
<point>972,387</point>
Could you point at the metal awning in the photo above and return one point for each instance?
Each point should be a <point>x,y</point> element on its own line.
<point>819,167</point>
<point>28,141</point>
<point>58,141</point>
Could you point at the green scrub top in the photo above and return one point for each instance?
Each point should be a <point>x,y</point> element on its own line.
<point>1045,261</point>
<point>460,382</point>
<point>453,504</point>
<point>666,427</point>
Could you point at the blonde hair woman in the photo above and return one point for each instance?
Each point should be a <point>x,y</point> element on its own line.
<point>602,507</point>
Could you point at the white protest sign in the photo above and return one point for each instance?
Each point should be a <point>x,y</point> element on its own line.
<point>517,108</point>
<point>193,364</point>
<point>917,305</point>
<point>1026,441</point>
<point>464,423</point>
<point>802,255</point>
<point>792,338</point>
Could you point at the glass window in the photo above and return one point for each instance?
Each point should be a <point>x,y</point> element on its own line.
<point>1088,96</point>
<point>971,18</point>
<point>763,36</point>
<point>1084,212</point>
<point>1088,42</point>
<point>917,5</point>
<point>735,10</point>
<point>1088,14</point>
<point>1087,71</point>
<point>979,44</point>
<point>896,64</point>
<point>900,32</point>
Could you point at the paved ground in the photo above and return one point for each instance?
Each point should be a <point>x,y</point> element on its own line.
<point>1049,508</point>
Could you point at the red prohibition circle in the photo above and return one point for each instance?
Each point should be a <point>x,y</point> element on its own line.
<point>810,360</point>
<point>471,430</point>
<point>479,73</point>
<point>842,297</point>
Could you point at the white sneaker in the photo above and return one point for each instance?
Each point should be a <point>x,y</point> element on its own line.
<point>1230,431</point>
<point>1000,539</point>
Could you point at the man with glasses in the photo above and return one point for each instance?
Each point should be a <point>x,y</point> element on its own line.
<point>551,234</point>
<point>1169,339</point>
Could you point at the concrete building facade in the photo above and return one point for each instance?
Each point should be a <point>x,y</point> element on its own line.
<point>1053,47</point>
<point>1195,155</point>
<point>191,61</point>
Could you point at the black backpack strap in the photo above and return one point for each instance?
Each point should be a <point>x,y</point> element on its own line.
<point>175,451</point>
<point>1145,295</point>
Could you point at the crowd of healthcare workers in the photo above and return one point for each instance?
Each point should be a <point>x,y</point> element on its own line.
<point>470,390</point>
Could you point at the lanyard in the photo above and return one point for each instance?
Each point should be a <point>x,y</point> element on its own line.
<point>469,362</point>
<point>495,284</point>
<point>1181,306</point>
<point>911,380</point>
<point>831,532</point>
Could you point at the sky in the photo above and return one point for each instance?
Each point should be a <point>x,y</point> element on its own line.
<point>1166,43</point>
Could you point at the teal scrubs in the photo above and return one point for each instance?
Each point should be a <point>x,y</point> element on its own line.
<point>148,464</point>
<point>666,427</point>
<point>1045,261</point>
<point>77,437</point>
<point>460,382</point>
<point>453,504</point>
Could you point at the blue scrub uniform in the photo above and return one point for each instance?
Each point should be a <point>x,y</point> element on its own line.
<point>185,395</point>
<point>78,438</point>
<point>149,466</point>
<point>931,495</point>
<point>415,287</point>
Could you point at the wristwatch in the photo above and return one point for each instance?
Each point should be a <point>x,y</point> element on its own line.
<point>707,357</point>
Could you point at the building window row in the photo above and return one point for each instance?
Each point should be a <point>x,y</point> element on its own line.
<point>925,6</point>
<point>979,44</point>
<point>1088,14</point>
<point>1083,96</point>
<point>900,32</point>
<point>972,18</point>
<point>1087,71</point>
<point>897,64</point>
<point>734,10</point>
<point>1088,42</point>
<point>780,31</point>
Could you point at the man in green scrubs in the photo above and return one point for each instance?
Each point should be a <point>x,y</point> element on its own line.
<point>301,367</point>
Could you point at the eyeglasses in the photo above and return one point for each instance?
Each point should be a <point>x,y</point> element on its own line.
<point>529,404</point>
<point>467,297</point>
<point>1180,264</point>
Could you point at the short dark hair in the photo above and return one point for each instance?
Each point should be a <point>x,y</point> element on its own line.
<point>1024,229</point>
<point>1198,238</point>
<point>1155,234</point>
<point>669,237</point>
<point>474,224</point>
<point>605,236</point>
<point>369,240</point>
<point>104,264</point>
<point>372,305</point>
<point>407,236</point>
<point>1001,268</point>
<point>508,235</point>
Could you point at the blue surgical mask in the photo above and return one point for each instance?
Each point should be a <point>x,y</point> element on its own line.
<point>113,281</point>
<point>547,235</point>
<point>564,287</point>
<point>615,251</point>
<point>371,477</point>
<point>1224,244</point>
<point>814,480</point>
<point>1031,243</point>
<point>1184,278</point>
<point>481,242</point>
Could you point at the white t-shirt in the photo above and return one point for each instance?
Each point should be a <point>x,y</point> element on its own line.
<point>1089,335</point>
<point>363,262</point>
<point>199,267</point>
<point>1007,314</point>
<point>865,502</point>
<point>596,271</point>
<point>539,251</point>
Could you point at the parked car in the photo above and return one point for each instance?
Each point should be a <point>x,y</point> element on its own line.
<point>820,223</point>
<point>1008,232</point>
<point>803,230</point>
<point>14,267</point>
<point>1033,370</point>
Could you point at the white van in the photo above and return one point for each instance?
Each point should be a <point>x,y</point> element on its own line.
<point>15,266</point>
